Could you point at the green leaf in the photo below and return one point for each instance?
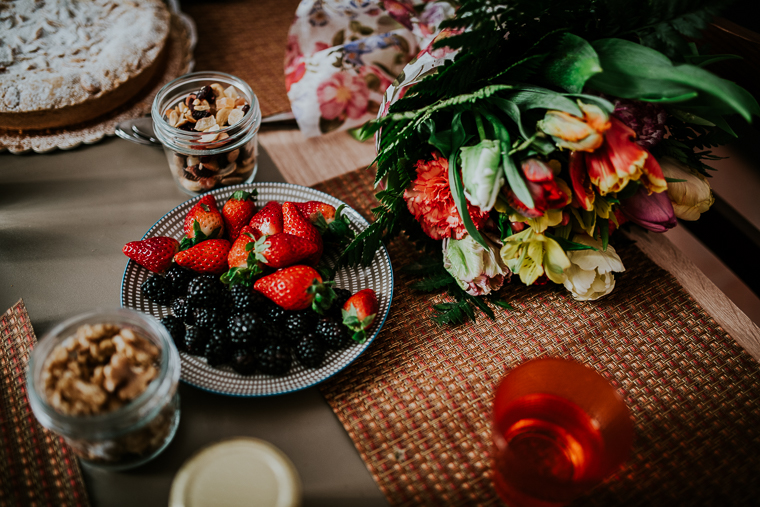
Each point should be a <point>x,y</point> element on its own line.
<point>604,232</point>
<point>573,63</point>
<point>459,138</point>
<point>434,282</point>
<point>503,304</point>
<point>705,60</point>
<point>505,226</point>
<point>536,100</point>
<point>633,71</point>
<point>568,245</point>
<point>514,178</point>
<point>440,140</point>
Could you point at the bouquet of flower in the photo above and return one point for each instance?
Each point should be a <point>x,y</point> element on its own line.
<point>531,129</point>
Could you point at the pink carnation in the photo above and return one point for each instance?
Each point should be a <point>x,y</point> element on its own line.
<point>343,94</point>
<point>430,201</point>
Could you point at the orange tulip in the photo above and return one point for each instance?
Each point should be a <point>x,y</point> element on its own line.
<point>574,133</point>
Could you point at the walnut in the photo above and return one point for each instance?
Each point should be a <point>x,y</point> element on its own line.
<point>98,369</point>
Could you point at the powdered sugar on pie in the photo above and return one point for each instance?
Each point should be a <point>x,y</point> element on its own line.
<point>67,61</point>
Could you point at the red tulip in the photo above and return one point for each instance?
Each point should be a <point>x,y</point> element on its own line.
<point>543,187</point>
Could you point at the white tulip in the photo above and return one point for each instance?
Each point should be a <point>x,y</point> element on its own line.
<point>590,275</point>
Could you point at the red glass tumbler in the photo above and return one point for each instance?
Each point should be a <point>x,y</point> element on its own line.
<point>559,428</point>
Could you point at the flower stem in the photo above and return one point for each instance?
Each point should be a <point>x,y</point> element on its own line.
<point>481,128</point>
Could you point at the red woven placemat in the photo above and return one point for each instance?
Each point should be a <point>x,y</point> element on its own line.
<point>36,467</point>
<point>417,403</point>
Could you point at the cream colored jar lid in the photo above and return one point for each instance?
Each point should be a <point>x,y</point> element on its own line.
<point>237,472</point>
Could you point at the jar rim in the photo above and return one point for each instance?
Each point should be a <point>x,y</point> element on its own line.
<point>249,125</point>
<point>124,418</point>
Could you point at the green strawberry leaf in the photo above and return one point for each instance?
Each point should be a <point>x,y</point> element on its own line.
<point>321,224</point>
<point>242,195</point>
<point>359,336</point>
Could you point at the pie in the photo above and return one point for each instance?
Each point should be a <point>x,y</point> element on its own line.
<point>63,62</point>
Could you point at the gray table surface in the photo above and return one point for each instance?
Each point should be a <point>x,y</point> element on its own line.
<point>64,218</point>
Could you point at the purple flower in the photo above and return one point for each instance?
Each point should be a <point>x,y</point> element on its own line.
<point>651,211</point>
<point>645,118</point>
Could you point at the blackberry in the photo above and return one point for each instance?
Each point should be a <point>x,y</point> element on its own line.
<point>176,328</point>
<point>275,359</point>
<point>245,299</point>
<point>206,291</point>
<point>333,334</point>
<point>181,311</point>
<point>310,351</point>
<point>244,361</point>
<point>218,348</point>
<point>277,334</point>
<point>157,289</point>
<point>274,314</point>
<point>196,339</point>
<point>210,318</point>
<point>179,278</point>
<point>298,324</point>
<point>246,330</point>
<point>341,296</point>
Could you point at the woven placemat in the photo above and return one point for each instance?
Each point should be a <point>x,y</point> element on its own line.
<point>36,467</point>
<point>247,39</point>
<point>417,402</point>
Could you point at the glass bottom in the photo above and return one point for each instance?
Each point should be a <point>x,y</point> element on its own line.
<point>247,180</point>
<point>141,460</point>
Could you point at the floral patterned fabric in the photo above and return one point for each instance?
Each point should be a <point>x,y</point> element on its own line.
<point>342,55</point>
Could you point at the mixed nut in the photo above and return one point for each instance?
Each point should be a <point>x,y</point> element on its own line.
<point>208,111</point>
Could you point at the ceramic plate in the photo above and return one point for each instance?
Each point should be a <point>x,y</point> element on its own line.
<point>378,276</point>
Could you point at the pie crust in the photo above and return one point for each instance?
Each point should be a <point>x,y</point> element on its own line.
<point>63,62</point>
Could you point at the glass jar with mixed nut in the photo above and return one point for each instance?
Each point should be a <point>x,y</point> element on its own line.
<point>107,382</point>
<point>208,124</point>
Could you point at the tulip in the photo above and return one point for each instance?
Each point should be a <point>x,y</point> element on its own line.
<point>590,275</point>
<point>574,133</point>
<point>532,254</point>
<point>547,191</point>
<point>481,173</point>
<point>477,270</point>
<point>583,192</point>
<point>618,161</point>
<point>689,198</point>
<point>651,211</point>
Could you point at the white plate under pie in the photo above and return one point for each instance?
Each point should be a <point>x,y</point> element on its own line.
<point>378,276</point>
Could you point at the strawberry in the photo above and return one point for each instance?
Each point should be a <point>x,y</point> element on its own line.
<point>283,249</point>
<point>237,212</point>
<point>359,312</point>
<point>310,209</point>
<point>203,222</point>
<point>154,254</point>
<point>268,220</point>
<point>296,288</point>
<point>240,252</point>
<point>293,222</point>
<point>208,256</point>
<point>241,259</point>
